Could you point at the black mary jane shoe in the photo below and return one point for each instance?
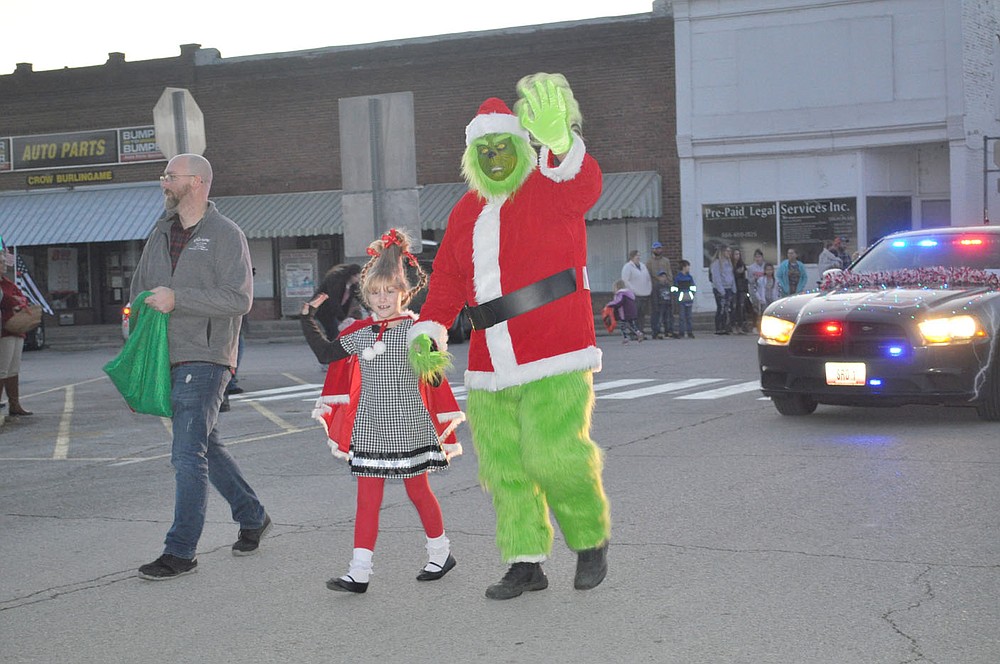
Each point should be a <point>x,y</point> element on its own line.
<point>343,585</point>
<point>426,575</point>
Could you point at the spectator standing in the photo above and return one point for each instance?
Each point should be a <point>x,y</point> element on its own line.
<point>656,264</point>
<point>755,269</point>
<point>663,318</point>
<point>197,265</point>
<point>684,290</point>
<point>11,344</point>
<point>791,275</point>
<point>766,291</point>
<point>636,276</point>
<point>723,287</point>
<point>828,259</point>
<point>840,249</point>
<point>741,301</point>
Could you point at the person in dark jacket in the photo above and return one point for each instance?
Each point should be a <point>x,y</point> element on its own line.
<point>340,284</point>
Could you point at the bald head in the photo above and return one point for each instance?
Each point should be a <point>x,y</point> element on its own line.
<point>193,164</point>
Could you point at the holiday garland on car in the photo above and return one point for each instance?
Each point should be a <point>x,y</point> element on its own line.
<point>921,277</point>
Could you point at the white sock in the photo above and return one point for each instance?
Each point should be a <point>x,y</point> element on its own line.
<point>438,550</point>
<point>361,566</point>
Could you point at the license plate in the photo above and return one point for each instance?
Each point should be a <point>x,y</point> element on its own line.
<point>845,373</point>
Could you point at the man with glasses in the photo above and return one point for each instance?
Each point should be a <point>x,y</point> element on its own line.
<point>196,263</point>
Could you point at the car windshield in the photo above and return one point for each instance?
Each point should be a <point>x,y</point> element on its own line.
<point>979,251</point>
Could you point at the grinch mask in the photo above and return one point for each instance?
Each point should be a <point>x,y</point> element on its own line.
<point>497,157</point>
<point>497,165</point>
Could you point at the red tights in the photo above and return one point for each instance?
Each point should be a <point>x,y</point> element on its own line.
<point>370,491</point>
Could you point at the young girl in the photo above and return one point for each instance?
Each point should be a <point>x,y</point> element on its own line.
<point>626,311</point>
<point>377,414</point>
<point>768,290</point>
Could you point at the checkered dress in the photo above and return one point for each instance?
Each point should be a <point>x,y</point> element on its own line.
<point>393,435</point>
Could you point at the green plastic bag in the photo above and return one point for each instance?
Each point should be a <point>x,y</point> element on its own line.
<point>141,371</point>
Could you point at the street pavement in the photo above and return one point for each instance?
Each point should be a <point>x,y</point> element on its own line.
<point>850,536</point>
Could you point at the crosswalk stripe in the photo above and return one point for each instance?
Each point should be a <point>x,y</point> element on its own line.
<point>276,391</point>
<point>309,392</point>
<point>625,382</point>
<point>727,391</point>
<point>660,389</point>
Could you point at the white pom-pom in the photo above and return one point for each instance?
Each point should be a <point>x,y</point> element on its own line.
<point>378,347</point>
<point>368,354</point>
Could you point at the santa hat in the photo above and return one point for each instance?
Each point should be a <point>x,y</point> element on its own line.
<point>494,117</point>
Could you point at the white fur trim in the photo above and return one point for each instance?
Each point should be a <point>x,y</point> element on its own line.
<point>458,416</point>
<point>436,331</point>
<point>486,252</point>
<point>494,123</point>
<point>585,359</point>
<point>540,558</point>
<point>452,451</point>
<point>571,164</point>
<point>335,449</point>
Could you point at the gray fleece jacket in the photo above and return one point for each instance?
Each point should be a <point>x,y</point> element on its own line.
<point>213,286</point>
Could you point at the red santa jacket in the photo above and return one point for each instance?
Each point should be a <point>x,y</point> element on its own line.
<point>498,246</point>
<point>338,404</point>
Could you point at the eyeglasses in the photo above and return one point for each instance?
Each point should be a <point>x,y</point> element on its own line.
<point>170,177</point>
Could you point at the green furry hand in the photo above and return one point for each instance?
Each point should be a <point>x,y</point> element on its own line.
<point>546,117</point>
<point>427,363</point>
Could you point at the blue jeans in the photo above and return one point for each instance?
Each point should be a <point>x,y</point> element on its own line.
<point>723,310</point>
<point>663,318</point>
<point>198,457</point>
<point>684,317</point>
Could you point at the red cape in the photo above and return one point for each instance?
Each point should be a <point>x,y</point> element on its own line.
<point>338,404</point>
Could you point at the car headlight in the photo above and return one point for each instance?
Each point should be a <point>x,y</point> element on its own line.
<point>775,330</point>
<point>950,330</point>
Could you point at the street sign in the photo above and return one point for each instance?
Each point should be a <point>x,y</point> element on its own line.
<point>179,123</point>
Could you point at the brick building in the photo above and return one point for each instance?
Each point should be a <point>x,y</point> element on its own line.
<point>273,134</point>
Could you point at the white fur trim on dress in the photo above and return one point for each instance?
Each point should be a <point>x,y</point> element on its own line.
<point>452,450</point>
<point>571,164</point>
<point>494,123</point>
<point>436,331</point>
<point>585,359</point>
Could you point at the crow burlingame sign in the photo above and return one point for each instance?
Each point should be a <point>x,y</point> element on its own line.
<point>100,147</point>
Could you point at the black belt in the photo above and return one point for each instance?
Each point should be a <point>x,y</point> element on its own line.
<point>522,300</point>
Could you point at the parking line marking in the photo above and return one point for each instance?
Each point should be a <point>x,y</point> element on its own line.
<point>660,389</point>
<point>266,412</point>
<point>727,391</point>
<point>62,438</point>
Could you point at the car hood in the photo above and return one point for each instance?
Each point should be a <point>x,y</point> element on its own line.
<point>855,303</point>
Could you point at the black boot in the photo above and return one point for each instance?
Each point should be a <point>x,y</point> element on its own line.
<point>591,567</point>
<point>520,577</point>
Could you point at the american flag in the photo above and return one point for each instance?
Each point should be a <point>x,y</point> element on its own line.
<point>27,285</point>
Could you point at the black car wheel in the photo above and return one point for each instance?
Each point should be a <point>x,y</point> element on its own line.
<point>794,405</point>
<point>988,407</point>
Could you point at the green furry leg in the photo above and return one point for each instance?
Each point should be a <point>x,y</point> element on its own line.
<point>562,459</point>
<point>523,530</point>
<point>535,452</point>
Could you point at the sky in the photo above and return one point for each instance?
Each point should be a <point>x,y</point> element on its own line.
<point>71,33</point>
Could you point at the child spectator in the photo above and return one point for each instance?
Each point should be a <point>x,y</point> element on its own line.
<point>663,314</point>
<point>684,290</point>
<point>626,311</point>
